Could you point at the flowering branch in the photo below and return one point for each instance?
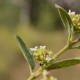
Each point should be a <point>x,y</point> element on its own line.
<point>45,57</point>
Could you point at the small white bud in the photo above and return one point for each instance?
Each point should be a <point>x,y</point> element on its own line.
<point>34,49</point>
<point>43,47</point>
<point>45,73</point>
<point>71,13</point>
<point>48,58</point>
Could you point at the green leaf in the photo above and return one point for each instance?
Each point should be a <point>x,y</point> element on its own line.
<point>67,22</point>
<point>26,52</point>
<point>63,63</point>
<point>76,47</point>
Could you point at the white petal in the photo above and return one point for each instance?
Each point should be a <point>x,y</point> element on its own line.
<point>71,13</point>
<point>33,49</point>
<point>43,47</point>
<point>48,58</point>
<point>36,46</point>
<point>45,73</point>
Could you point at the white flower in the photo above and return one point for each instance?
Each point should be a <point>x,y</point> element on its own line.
<point>34,49</point>
<point>43,47</point>
<point>48,58</point>
<point>71,13</point>
<point>45,73</point>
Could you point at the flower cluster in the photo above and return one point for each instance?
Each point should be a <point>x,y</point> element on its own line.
<point>42,54</point>
<point>76,20</point>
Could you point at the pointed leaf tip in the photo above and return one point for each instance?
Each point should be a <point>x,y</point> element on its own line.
<point>67,22</point>
<point>57,6</point>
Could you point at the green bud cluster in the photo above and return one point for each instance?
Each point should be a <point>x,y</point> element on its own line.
<point>42,54</point>
<point>76,20</point>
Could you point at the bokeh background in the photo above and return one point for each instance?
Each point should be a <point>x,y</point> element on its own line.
<point>37,22</point>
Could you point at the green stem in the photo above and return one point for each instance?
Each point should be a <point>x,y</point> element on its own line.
<point>61,52</point>
<point>36,74</point>
<point>65,48</point>
<point>70,38</point>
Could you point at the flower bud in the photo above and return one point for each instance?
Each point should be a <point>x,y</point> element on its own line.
<point>42,54</point>
<point>76,20</point>
<point>46,76</point>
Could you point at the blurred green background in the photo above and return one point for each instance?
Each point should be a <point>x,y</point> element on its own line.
<point>38,23</point>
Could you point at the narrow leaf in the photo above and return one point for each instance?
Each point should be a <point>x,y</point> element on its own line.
<point>67,22</point>
<point>26,52</point>
<point>76,47</point>
<point>63,63</point>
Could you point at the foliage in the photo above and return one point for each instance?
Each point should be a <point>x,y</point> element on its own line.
<point>45,58</point>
